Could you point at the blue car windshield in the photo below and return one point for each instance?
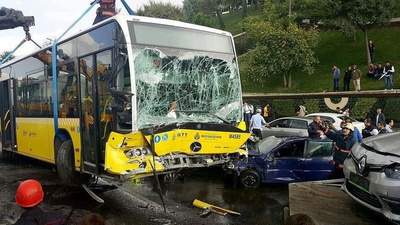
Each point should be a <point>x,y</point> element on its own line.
<point>268,144</point>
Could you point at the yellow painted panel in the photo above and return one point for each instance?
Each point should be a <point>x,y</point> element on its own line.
<point>71,125</point>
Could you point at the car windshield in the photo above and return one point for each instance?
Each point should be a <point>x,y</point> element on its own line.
<point>268,144</point>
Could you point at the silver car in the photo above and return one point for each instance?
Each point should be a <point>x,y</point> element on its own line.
<point>287,127</point>
<point>372,174</point>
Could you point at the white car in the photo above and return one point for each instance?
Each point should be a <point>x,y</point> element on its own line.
<point>336,119</point>
<point>372,174</point>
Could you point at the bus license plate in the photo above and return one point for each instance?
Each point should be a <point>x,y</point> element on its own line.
<point>360,181</point>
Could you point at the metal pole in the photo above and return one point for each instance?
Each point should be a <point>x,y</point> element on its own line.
<point>130,11</point>
<point>13,51</point>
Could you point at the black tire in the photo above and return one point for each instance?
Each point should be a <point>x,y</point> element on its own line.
<point>66,166</point>
<point>250,179</point>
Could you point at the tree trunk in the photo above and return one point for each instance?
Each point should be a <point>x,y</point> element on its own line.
<point>366,44</point>
<point>256,4</point>
<point>284,80</point>
<point>244,4</point>
<point>220,20</point>
<point>354,36</point>
<point>262,5</point>
<point>290,81</point>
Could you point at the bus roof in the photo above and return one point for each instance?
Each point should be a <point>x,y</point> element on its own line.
<point>120,19</point>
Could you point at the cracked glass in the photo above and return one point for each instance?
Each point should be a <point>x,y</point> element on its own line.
<point>176,85</point>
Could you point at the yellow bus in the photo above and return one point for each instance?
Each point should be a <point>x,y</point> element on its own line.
<point>133,95</point>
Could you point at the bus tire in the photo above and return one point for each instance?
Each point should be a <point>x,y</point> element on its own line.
<point>66,166</point>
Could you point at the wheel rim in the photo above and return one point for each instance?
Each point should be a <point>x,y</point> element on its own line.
<point>250,180</point>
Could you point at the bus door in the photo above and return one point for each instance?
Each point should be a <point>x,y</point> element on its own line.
<point>7,115</point>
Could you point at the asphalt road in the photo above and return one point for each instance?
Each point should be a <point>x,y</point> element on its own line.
<point>139,203</point>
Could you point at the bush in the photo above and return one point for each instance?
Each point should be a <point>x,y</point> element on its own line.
<point>205,20</point>
<point>283,107</point>
<point>391,110</point>
<point>312,105</point>
<point>362,108</point>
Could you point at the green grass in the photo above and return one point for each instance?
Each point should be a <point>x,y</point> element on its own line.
<point>233,20</point>
<point>337,49</point>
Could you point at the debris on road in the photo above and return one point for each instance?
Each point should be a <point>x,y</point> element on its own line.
<point>211,208</point>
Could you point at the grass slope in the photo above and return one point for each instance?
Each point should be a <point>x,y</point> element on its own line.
<point>233,20</point>
<point>337,49</point>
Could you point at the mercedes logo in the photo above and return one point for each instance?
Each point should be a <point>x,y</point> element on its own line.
<point>195,147</point>
<point>362,163</point>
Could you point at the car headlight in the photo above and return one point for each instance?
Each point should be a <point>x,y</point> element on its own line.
<point>393,171</point>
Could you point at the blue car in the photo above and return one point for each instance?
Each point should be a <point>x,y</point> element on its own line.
<point>286,160</point>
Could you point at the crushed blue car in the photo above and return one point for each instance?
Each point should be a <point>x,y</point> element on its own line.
<point>286,160</point>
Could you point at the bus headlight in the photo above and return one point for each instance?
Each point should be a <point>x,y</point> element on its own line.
<point>138,152</point>
<point>145,151</point>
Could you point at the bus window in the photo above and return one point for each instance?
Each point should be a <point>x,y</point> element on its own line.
<point>104,62</point>
<point>67,91</point>
<point>21,99</point>
<point>36,95</point>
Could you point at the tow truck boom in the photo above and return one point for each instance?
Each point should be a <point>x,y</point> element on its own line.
<point>11,18</point>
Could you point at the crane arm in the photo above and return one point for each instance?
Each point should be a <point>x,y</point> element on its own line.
<point>11,18</point>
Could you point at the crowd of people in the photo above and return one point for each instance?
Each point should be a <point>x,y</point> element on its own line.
<point>375,71</point>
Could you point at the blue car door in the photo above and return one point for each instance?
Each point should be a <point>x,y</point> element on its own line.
<point>317,164</point>
<point>285,164</point>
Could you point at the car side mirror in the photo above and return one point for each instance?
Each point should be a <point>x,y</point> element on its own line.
<point>270,157</point>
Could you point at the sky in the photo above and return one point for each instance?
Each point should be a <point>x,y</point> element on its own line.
<point>52,18</point>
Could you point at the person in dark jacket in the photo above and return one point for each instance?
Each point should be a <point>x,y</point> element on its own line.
<point>315,128</point>
<point>344,142</point>
<point>347,78</point>
<point>379,116</point>
<point>105,11</point>
<point>369,130</point>
<point>382,127</point>
<point>29,195</point>
<point>371,48</point>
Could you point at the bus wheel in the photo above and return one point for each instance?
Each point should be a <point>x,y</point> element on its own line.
<point>66,166</point>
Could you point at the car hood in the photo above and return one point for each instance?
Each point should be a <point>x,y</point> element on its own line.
<point>386,149</point>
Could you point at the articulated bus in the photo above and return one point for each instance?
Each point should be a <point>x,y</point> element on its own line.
<point>136,95</point>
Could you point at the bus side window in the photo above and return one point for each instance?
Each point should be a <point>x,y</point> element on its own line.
<point>67,91</point>
<point>36,95</point>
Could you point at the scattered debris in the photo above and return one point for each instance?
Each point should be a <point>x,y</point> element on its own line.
<point>211,208</point>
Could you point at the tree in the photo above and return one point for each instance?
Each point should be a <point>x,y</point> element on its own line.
<point>349,16</point>
<point>4,55</point>
<point>161,10</point>
<point>190,9</point>
<point>281,47</point>
<point>205,20</point>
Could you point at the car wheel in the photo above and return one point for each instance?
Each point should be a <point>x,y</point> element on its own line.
<point>250,178</point>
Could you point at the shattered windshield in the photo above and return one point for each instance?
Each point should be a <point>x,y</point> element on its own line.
<point>184,75</point>
<point>174,85</point>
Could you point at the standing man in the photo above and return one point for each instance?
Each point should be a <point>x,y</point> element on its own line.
<point>357,78</point>
<point>105,11</point>
<point>388,70</point>
<point>379,116</point>
<point>347,77</point>
<point>256,123</point>
<point>389,126</point>
<point>381,127</point>
<point>315,129</point>
<point>336,76</point>
<point>344,142</point>
<point>247,114</point>
<point>371,48</point>
<point>369,130</point>
<point>266,112</point>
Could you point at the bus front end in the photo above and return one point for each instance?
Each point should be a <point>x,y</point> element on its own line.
<point>179,103</point>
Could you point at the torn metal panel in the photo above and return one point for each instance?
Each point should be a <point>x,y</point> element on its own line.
<point>176,85</point>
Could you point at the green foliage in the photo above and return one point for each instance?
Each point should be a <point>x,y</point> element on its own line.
<point>281,47</point>
<point>205,20</point>
<point>190,9</point>
<point>391,110</point>
<point>312,105</point>
<point>362,108</point>
<point>4,55</point>
<point>161,10</point>
<point>283,107</point>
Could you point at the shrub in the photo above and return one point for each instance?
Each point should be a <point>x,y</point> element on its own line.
<point>362,108</point>
<point>392,109</point>
<point>312,105</point>
<point>283,107</point>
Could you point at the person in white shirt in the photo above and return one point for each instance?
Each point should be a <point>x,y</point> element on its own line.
<point>256,123</point>
<point>247,114</point>
<point>389,126</point>
<point>388,71</point>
